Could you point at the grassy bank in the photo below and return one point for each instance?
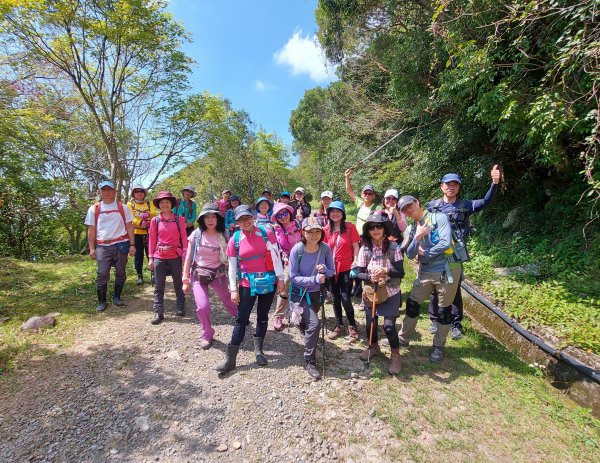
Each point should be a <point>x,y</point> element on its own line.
<point>27,289</point>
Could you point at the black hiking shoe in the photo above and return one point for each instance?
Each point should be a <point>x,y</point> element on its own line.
<point>101,292</point>
<point>437,354</point>
<point>140,280</point>
<point>312,370</point>
<point>116,299</point>
<point>158,319</point>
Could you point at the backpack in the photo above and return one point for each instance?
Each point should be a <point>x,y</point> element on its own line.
<point>120,210</point>
<point>459,224</point>
<point>258,285</point>
<point>295,307</point>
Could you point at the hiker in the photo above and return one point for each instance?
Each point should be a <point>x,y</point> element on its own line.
<point>167,253</point>
<point>186,208</point>
<point>390,207</point>
<point>458,212</point>
<point>300,205</point>
<point>206,265</point>
<point>342,237</point>
<point>223,203</point>
<point>111,239</point>
<point>288,232</point>
<point>234,201</point>
<point>321,213</point>
<point>380,261</point>
<point>143,211</point>
<point>263,211</point>
<point>430,239</point>
<point>366,205</point>
<point>284,197</point>
<point>267,194</point>
<point>310,263</point>
<point>255,272</point>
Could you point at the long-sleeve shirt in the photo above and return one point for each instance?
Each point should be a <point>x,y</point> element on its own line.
<point>143,213</point>
<point>287,237</point>
<point>165,240</point>
<point>437,244</point>
<point>368,259</point>
<point>302,271</point>
<point>187,210</point>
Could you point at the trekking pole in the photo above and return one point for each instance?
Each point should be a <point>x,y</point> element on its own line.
<point>372,324</point>
<point>323,328</point>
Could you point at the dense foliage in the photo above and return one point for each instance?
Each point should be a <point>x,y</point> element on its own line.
<point>471,84</point>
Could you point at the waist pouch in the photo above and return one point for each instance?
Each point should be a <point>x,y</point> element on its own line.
<point>261,282</point>
<point>123,247</point>
<point>207,275</point>
<point>369,294</point>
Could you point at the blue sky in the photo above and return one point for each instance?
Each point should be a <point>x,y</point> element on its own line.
<point>261,55</point>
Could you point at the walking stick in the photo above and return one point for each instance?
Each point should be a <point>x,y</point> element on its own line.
<point>372,323</point>
<point>323,328</point>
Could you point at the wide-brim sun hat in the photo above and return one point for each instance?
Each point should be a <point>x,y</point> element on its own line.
<point>452,177</point>
<point>327,194</point>
<point>242,210</point>
<point>280,207</point>
<point>189,188</point>
<point>299,189</point>
<point>210,208</point>
<point>260,200</point>
<point>377,217</point>
<point>138,187</point>
<point>164,195</point>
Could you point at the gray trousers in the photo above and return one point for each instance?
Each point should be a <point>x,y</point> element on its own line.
<point>160,275</point>
<point>106,257</point>
<point>310,317</point>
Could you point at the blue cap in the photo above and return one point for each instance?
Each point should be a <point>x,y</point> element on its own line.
<point>104,183</point>
<point>285,193</point>
<point>451,178</point>
<point>241,211</point>
<point>336,205</point>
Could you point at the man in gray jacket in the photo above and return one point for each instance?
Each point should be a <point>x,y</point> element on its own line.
<point>430,241</point>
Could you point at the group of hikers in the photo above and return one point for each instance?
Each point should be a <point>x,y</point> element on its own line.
<point>280,248</point>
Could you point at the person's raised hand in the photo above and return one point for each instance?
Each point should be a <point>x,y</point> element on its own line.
<point>496,174</point>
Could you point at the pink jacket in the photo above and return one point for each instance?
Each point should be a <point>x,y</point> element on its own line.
<point>165,242</point>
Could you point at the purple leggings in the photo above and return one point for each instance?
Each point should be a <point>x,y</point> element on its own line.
<point>203,304</point>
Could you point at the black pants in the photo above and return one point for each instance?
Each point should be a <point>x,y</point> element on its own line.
<point>245,308</point>
<point>457,309</point>
<point>141,246</point>
<point>389,327</point>
<point>341,292</point>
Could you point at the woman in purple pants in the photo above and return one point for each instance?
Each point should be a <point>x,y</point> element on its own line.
<point>206,265</point>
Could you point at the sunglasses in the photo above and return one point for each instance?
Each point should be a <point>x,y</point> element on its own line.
<point>138,191</point>
<point>281,215</point>
<point>377,226</point>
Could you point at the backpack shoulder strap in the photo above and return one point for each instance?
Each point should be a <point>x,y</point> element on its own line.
<point>263,232</point>
<point>96,215</point>
<point>435,205</point>
<point>122,211</point>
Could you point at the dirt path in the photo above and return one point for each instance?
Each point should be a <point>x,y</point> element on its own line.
<point>130,391</point>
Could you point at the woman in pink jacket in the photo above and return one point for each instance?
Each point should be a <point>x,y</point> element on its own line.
<point>167,253</point>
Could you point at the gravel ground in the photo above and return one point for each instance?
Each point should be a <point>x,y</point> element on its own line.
<point>130,391</point>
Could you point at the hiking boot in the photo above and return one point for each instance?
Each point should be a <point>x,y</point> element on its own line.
<point>375,350</point>
<point>403,342</point>
<point>180,311</point>
<point>116,299</point>
<point>437,354</point>
<point>101,292</point>
<point>336,332</point>
<point>158,319</point>
<point>261,360</point>
<point>140,280</point>
<point>278,324</point>
<point>205,344</point>
<point>455,333</point>
<point>433,327</point>
<point>353,334</point>
<point>395,362</point>
<point>229,363</point>
<point>311,369</point>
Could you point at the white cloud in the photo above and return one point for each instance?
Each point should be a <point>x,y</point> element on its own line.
<point>260,86</point>
<point>305,56</point>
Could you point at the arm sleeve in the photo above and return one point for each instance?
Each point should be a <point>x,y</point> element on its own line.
<point>89,217</point>
<point>360,273</point>
<point>478,204</point>
<point>445,234</point>
<point>232,273</point>
<point>152,238</point>
<point>273,248</point>
<point>412,249</point>
<point>128,214</point>
<point>303,281</point>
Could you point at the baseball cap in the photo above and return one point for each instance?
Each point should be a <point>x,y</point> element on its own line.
<point>391,192</point>
<point>451,178</point>
<point>368,187</point>
<point>405,201</point>
<point>104,183</point>
<point>327,194</point>
<point>241,211</point>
